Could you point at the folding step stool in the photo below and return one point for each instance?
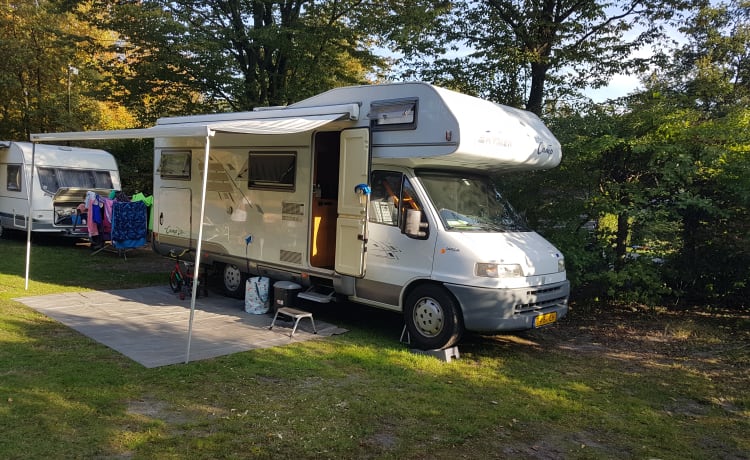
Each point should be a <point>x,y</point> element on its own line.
<point>296,315</point>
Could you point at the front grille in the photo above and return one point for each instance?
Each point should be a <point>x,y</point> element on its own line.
<point>544,291</point>
<point>538,305</point>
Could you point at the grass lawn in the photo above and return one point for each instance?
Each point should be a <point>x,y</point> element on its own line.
<point>600,384</point>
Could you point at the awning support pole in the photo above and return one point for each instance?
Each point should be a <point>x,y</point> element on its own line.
<point>29,194</point>
<point>199,245</point>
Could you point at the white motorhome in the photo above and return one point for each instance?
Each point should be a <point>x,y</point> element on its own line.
<point>379,194</point>
<point>63,176</point>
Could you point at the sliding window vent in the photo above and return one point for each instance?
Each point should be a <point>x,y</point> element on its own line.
<point>292,211</point>
<point>290,257</point>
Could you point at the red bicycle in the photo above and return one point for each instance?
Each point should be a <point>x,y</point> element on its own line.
<point>181,280</point>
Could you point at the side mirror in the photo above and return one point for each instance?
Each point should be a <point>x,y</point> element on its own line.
<point>413,225</point>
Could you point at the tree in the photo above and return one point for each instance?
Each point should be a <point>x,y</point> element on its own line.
<point>47,73</point>
<point>668,168</point>
<point>711,188</point>
<point>526,52</point>
<point>240,54</point>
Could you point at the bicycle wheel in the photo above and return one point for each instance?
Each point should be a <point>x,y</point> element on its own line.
<point>175,282</point>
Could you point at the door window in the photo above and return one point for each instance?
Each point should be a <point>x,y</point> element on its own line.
<point>384,197</point>
<point>391,197</point>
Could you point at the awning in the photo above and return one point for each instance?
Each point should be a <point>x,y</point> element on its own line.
<point>267,121</point>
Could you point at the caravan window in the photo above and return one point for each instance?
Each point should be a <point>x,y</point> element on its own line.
<point>393,115</point>
<point>175,165</point>
<point>272,170</point>
<point>51,179</point>
<point>14,178</point>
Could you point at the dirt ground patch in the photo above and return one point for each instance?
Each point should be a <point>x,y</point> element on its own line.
<point>716,343</point>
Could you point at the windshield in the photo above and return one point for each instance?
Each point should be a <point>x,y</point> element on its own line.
<point>470,203</point>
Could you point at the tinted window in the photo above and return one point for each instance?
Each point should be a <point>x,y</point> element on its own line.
<point>272,170</point>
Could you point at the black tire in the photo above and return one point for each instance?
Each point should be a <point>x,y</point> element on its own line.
<point>233,281</point>
<point>433,318</point>
<point>175,283</point>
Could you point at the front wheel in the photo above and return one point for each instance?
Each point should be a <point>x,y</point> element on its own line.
<point>432,318</point>
<point>233,281</point>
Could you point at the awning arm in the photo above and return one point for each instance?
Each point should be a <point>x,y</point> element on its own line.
<point>350,111</point>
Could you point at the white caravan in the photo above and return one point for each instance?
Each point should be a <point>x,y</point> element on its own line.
<point>378,194</point>
<point>63,176</point>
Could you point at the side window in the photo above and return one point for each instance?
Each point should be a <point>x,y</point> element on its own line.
<point>384,197</point>
<point>14,178</point>
<point>175,164</point>
<point>272,170</point>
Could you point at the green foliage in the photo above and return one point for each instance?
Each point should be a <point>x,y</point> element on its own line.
<point>665,171</point>
<point>48,75</point>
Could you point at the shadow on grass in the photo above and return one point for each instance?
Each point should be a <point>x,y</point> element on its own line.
<point>73,265</point>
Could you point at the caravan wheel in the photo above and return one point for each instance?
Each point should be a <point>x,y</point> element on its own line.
<point>433,318</point>
<point>233,281</point>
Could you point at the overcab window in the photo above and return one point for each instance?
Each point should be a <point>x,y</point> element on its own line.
<point>393,114</point>
<point>272,170</point>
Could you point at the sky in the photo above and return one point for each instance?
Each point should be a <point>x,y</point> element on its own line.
<point>620,85</point>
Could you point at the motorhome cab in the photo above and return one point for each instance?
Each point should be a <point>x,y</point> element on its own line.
<point>379,194</point>
<point>63,176</point>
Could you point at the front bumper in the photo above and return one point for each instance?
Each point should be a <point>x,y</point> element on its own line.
<point>505,310</point>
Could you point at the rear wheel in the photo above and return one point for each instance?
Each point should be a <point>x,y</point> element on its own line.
<point>233,281</point>
<point>174,282</point>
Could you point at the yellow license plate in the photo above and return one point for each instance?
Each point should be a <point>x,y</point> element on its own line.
<point>545,319</point>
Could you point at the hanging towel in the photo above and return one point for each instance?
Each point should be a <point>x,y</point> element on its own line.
<point>128,225</point>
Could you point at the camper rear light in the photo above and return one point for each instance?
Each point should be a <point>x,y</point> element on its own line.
<point>498,270</point>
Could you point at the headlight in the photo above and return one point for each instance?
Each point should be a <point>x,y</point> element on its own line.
<point>498,270</point>
<point>561,265</point>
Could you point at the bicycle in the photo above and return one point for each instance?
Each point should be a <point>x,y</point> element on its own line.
<point>182,281</point>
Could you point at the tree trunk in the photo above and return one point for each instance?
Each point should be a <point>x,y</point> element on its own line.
<point>536,93</point>
<point>621,240</point>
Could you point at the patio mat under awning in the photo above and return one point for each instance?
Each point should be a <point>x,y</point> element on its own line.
<point>150,325</point>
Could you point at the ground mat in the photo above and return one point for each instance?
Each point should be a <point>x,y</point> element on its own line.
<point>150,325</point>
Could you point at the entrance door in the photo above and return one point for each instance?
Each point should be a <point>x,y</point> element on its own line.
<point>351,224</point>
<point>175,212</point>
